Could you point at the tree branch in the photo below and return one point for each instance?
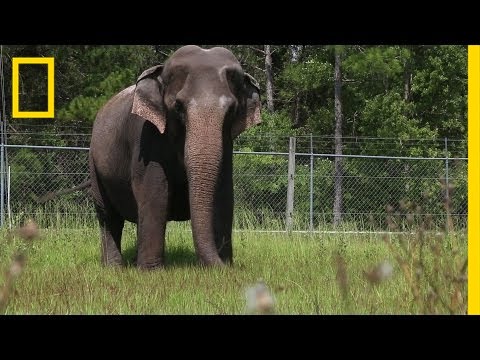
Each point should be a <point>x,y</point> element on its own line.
<point>256,49</point>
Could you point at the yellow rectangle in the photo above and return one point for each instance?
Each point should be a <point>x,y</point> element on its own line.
<point>473,177</point>
<point>16,61</point>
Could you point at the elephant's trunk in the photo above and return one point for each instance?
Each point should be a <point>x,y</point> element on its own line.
<point>208,165</point>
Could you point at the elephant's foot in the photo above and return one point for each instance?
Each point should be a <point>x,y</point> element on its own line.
<point>224,249</point>
<point>148,262</point>
<point>226,255</point>
<point>228,261</point>
<point>108,261</point>
<point>215,261</point>
<point>150,265</point>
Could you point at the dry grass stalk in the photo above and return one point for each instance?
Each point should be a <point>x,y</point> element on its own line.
<point>259,299</point>
<point>437,285</point>
<point>28,232</point>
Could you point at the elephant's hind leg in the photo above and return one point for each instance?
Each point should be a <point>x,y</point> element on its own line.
<point>111,224</point>
<point>111,227</point>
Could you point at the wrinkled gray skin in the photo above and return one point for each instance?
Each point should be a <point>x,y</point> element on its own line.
<point>161,150</point>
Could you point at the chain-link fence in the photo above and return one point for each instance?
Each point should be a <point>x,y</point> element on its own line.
<point>410,188</point>
<point>371,187</point>
<point>34,173</point>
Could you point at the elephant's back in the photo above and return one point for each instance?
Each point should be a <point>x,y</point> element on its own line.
<point>114,111</point>
<point>110,149</point>
<point>110,128</point>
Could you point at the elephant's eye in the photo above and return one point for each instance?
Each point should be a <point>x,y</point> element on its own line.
<point>235,81</point>
<point>179,106</point>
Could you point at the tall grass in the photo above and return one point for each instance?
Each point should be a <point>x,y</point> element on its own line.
<point>305,273</point>
<point>56,215</point>
<point>64,214</point>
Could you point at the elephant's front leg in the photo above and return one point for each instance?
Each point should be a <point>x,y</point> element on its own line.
<point>224,216</point>
<point>151,193</point>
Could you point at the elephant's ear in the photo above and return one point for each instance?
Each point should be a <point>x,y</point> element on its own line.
<point>148,98</point>
<point>252,115</point>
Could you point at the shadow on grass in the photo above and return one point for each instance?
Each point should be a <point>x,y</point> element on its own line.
<point>180,257</point>
<point>174,257</point>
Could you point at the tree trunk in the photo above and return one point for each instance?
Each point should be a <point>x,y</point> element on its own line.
<point>296,119</point>
<point>407,77</point>
<point>296,51</point>
<point>268,71</point>
<point>337,202</point>
<point>407,83</point>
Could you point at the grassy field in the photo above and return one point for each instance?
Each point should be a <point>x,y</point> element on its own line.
<point>354,273</point>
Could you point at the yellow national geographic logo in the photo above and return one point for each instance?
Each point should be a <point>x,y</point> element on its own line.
<point>16,61</point>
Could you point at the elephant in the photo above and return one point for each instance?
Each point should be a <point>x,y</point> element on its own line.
<point>161,150</point>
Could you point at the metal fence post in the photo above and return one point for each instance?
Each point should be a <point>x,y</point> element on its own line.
<point>3,137</point>
<point>291,183</point>
<point>447,190</point>
<point>2,182</point>
<point>446,167</point>
<point>311,182</point>
<point>9,208</point>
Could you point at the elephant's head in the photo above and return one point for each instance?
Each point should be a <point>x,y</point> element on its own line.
<point>207,98</point>
<point>195,78</point>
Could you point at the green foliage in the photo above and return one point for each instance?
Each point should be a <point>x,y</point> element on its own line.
<point>310,75</point>
<point>273,124</point>
<point>267,195</point>
<point>377,63</point>
<point>26,169</point>
<point>86,76</point>
<point>440,88</point>
<point>389,114</point>
<point>377,98</point>
<point>112,69</point>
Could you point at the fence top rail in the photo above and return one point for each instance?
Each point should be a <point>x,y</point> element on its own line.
<point>47,147</point>
<point>314,136</point>
<point>259,153</point>
<point>348,156</point>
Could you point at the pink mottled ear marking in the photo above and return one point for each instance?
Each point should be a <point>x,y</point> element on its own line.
<point>148,98</point>
<point>255,118</point>
<point>143,109</point>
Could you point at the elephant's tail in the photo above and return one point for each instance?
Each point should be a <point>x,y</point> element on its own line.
<point>53,194</point>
